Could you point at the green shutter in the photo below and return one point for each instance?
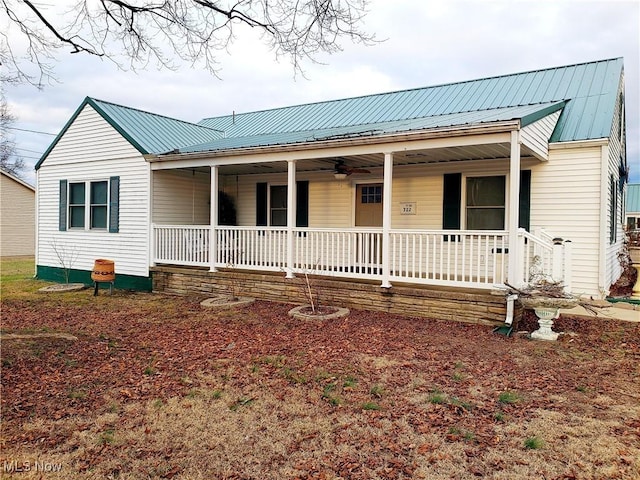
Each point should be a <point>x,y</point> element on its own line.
<point>302,203</point>
<point>524,213</point>
<point>261,204</point>
<point>114,204</point>
<point>62,205</point>
<point>451,201</point>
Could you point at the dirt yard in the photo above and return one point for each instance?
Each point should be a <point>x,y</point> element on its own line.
<point>136,386</point>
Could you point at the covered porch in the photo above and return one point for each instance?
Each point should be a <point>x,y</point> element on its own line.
<point>478,243</point>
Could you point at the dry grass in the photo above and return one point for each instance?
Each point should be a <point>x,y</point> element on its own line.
<point>201,437</point>
<point>255,397</point>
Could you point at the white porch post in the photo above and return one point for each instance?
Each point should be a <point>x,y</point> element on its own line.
<point>213,221</point>
<point>515,274</point>
<point>291,213</point>
<point>386,219</point>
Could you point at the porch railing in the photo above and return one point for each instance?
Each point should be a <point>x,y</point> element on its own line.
<point>439,257</point>
<point>461,257</point>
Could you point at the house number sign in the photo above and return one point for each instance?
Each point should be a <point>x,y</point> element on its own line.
<point>407,208</point>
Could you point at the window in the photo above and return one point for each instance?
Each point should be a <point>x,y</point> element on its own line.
<point>278,207</point>
<point>90,205</point>
<point>98,207</point>
<point>271,204</point>
<point>76,205</point>
<point>485,203</point>
<point>371,194</point>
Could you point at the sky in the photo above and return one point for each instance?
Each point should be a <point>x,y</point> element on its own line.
<point>422,43</point>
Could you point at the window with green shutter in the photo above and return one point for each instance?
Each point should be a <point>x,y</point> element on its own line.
<point>89,205</point>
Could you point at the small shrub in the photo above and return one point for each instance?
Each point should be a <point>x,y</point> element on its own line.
<point>499,416</point>
<point>370,406</point>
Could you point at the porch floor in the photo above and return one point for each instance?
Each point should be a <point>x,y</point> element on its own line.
<point>437,302</point>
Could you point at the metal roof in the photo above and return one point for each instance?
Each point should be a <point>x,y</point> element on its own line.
<point>147,132</point>
<point>590,90</point>
<point>526,114</point>
<point>633,198</point>
<point>154,133</point>
<point>586,93</point>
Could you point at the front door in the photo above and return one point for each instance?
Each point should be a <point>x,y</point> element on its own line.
<point>369,205</point>
<point>368,214</point>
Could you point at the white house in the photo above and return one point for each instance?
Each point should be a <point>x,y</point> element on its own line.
<point>17,216</point>
<point>463,185</point>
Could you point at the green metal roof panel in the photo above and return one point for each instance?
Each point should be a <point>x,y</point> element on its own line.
<point>526,114</point>
<point>633,198</point>
<point>147,132</point>
<point>152,133</point>
<point>589,89</point>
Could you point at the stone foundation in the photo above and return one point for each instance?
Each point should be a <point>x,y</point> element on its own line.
<point>462,305</point>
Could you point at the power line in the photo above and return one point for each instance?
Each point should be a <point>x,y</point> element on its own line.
<point>27,150</point>
<point>31,131</point>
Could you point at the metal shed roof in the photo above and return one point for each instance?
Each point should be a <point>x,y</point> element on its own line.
<point>590,90</point>
<point>633,198</point>
<point>525,114</point>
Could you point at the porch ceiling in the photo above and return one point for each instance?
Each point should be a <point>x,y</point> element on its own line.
<point>414,157</point>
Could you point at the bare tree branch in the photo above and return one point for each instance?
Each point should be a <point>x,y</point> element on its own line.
<point>135,33</point>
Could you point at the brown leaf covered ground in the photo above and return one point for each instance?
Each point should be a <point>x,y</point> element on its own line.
<point>157,387</point>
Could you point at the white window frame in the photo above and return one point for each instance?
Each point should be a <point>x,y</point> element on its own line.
<point>463,199</point>
<point>87,205</point>
<point>269,186</point>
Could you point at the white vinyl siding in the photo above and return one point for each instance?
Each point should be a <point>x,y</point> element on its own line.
<point>616,149</point>
<point>536,135</point>
<point>17,218</point>
<point>93,150</point>
<point>181,197</point>
<point>565,201</point>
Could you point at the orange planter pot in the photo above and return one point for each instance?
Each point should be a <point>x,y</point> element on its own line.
<point>103,271</point>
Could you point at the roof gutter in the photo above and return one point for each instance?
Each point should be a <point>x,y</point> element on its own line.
<point>433,133</point>
<point>596,142</point>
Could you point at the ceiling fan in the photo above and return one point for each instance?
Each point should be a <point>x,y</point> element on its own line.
<point>342,170</point>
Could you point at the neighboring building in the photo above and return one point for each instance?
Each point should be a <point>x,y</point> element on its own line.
<point>462,185</point>
<point>17,216</point>
<point>632,207</point>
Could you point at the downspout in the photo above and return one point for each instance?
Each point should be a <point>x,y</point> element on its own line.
<point>511,300</point>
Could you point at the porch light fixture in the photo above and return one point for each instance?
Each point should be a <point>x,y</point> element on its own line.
<point>339,176</point>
